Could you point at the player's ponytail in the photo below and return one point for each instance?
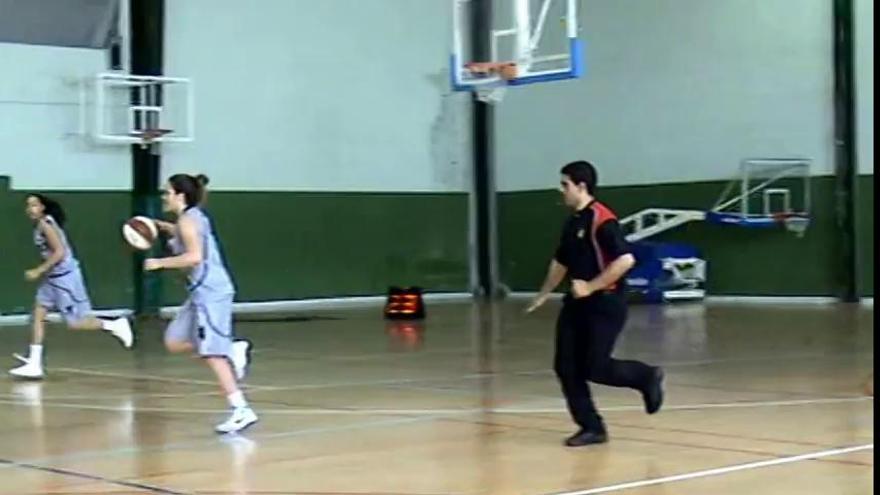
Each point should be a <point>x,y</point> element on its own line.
<point>203,180</point>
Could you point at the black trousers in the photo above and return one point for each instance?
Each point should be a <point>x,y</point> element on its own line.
<point>585,335</point>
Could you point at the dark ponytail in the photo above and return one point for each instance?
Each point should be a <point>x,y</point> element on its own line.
<point>52,208</point>
<point>203,181</point>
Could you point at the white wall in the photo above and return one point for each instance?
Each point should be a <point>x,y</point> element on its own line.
<point>676,91</point>
<point>336,95</point>
<point>333,95</point>
<point>865,84</point>
<point>38,113</point>
<point>294,96</point>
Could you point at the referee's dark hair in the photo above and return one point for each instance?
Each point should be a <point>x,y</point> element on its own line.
<point>582,172</point>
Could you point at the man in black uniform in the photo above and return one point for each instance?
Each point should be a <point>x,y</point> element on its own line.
<point>595,256</point>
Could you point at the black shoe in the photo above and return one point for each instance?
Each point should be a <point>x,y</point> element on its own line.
<point>586,437</point>
<point>653,395</point>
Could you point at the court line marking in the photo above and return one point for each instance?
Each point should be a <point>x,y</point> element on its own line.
<point>123,394</point>
<point>692,362</point>
<point>278,354</point>
<point>464,389</point>
<point>90,477</point>
<point>470,376</point>
<point>431,412</point>
<point>724,436</point>
<point>137,377</point>
<point>403,384</point>
<point>198,443</point>
<point>83,455</point>
<point>305,386</point>
<point>720,471</point>
<point>764,453</point>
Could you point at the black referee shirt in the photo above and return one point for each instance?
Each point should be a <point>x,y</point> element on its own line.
<point>591,240</point>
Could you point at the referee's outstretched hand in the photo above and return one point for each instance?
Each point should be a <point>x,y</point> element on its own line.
<point>537,302</point>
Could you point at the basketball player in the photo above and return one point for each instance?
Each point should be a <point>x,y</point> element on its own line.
<point>61,287</point>
<point>170,229</point>
<point>595,256</point>
<point>204,323</point>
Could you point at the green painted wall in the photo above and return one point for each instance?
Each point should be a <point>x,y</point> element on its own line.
<point>297,245</point>
<point>279,245</point>
<point>741,261</point>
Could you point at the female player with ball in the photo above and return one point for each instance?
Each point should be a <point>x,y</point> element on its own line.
<point>204,323</point>
<point>61,286</point>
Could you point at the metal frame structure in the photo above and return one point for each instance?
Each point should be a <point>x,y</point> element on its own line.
<point>527,36</point>
<point>782,168</point>
<point>733,209</point>
<point>796,221</point>
<point>129,105</point>
<point>144,115</point>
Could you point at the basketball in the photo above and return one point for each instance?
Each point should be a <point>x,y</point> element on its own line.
<point>140,232</point>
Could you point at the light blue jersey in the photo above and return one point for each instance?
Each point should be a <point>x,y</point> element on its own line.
<point>62,288</point>
<point>205,319</point>
<point>69,262</point>
<point>209,279</point>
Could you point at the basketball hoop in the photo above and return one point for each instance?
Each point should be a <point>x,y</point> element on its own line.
<point>491,93</point>
<point>504,70</point>
<point>793,222</point>
<point>519,48</point>
<point>496,76</point>
<point>150,136</point>
<point>797,225</point>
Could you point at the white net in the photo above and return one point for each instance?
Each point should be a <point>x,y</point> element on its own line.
<point>491,94</point>
<point>797,225</point>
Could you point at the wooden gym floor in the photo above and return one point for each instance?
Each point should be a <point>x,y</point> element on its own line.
<point>760,400</point>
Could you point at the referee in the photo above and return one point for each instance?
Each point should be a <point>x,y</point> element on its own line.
<point>594,255</point>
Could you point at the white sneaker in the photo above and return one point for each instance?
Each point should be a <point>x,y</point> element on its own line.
<point>121,329</point>
<point>241,418</point>
<point>31,369</point>
<point>241,357</point>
